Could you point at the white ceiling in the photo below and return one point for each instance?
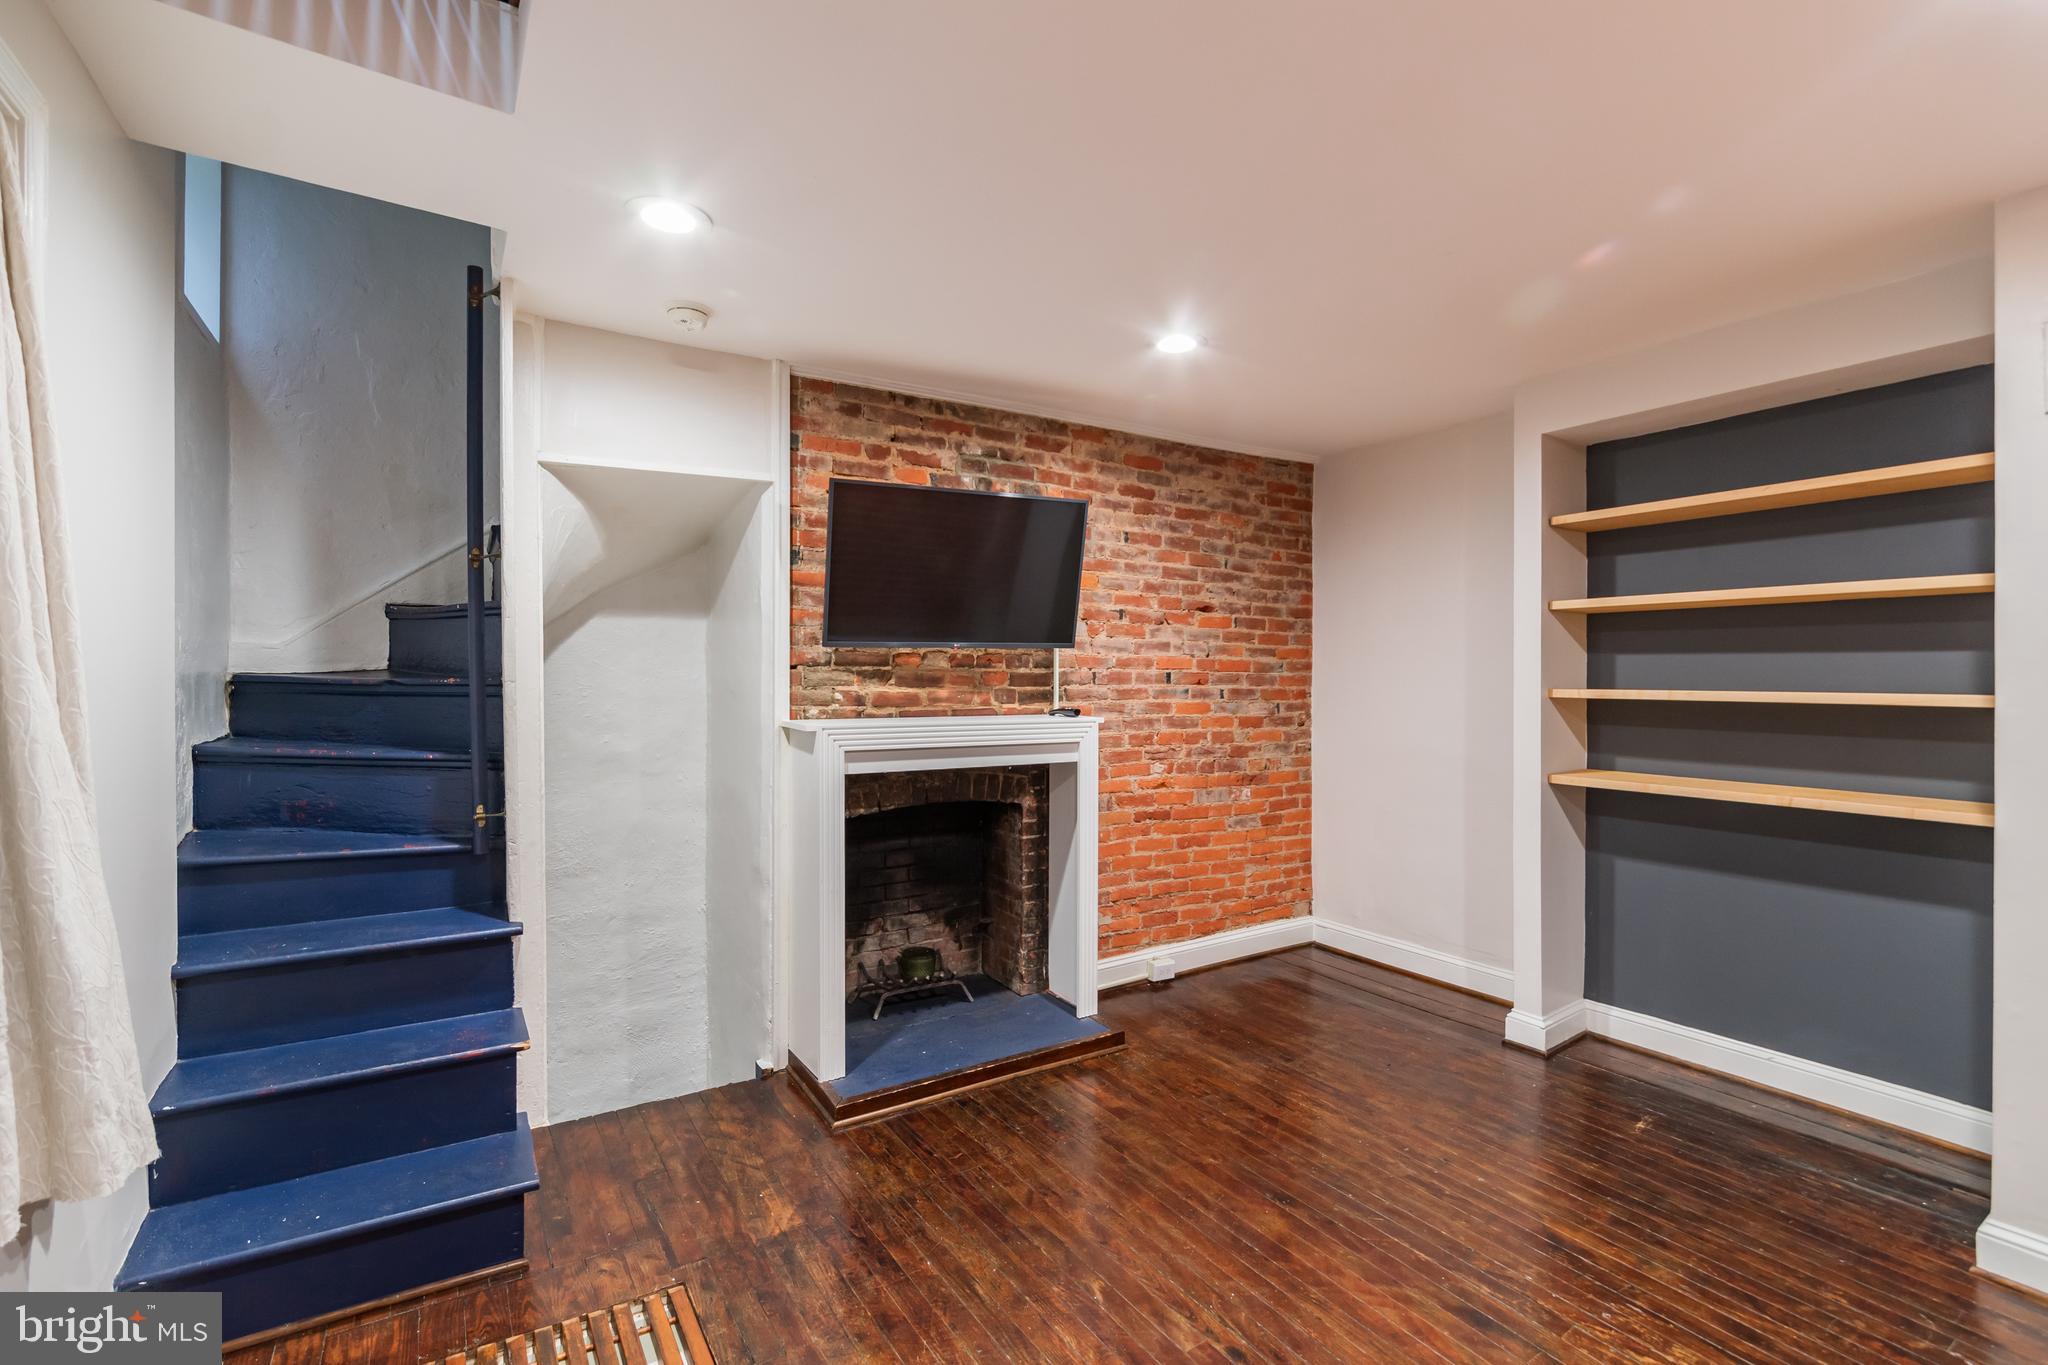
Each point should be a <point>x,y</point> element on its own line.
<point>1383,216</point>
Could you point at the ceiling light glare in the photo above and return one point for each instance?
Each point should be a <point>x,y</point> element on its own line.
<point>1177,343</point>
<point>666,215</point>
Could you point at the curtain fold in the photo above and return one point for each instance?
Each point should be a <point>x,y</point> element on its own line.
<point>74,1117</point>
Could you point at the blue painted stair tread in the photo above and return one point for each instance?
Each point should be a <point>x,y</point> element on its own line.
<point>434,638</point>
<point>288,843</point>
<point>342,1123</point>
<point>419,710</point>
<point>248,783</point>
<point>247,877</point>
<point>435,611</point>
<point>360,680</point>
<point>242,749</point>
<point>181,1243</point>
<point>917,1040</point>
<point>197,1083</point>
<point>238,950</point>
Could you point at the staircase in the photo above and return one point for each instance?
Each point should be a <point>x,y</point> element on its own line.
<point>340,1126</point>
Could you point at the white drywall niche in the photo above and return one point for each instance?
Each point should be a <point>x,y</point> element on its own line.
<point>603,523</point>
<point>643,625</point>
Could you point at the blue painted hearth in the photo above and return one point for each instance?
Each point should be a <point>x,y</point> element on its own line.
<point>340,1126</point>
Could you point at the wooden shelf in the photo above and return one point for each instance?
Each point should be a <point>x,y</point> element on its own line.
<point>1861,483</point>
<point>1939,810</point>
<point>1783,594</point>
<point>1970,701</point>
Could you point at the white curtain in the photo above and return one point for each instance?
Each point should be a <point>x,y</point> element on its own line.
<point>74,1119</point>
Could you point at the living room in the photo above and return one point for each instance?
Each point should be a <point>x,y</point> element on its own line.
<point>696,682</point>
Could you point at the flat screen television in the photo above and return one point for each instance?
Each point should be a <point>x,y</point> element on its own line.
<point>909,565</point>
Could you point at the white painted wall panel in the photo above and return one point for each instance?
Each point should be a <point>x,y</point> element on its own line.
<point>1412,709</point>
<point>109,291</point>
<point>345,350</point>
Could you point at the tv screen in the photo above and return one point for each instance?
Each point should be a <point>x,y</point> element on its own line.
<point>906,565</point>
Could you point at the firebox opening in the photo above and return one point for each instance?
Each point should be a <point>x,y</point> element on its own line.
<point>952,862</point>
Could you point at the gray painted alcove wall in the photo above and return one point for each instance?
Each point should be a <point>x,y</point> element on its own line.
<point>1858,942</point>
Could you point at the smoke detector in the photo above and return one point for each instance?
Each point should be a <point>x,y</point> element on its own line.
<point>688,317</point>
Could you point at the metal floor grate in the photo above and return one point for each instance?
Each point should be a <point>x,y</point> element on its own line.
<point>655,1329</point>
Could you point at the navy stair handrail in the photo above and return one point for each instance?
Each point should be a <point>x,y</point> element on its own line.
<point>479,776</point>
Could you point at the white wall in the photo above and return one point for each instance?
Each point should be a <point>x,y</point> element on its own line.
<point>203,593</point>
<point>749,618</point>
<point>1412,708</point>
<point>642,618</point>
<point>107,311</point>
<point>628,972</point>
<point>343,331</point>
<point>2014,1242</point>
<point>623,400</point>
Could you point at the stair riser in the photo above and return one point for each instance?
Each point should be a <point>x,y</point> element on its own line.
<point>230,1011</point>
<point>291,1288</point>
<point>395,798</point>
<point>250,895</point>
<point>420,718</point>
<point>281,1137</point>
<point>441,645</point>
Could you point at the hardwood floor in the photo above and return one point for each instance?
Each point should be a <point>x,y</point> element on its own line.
<point>1299,1157</point>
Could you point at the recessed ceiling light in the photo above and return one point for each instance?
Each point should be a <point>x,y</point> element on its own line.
<point>1177,343</point>
<point>667,215</point>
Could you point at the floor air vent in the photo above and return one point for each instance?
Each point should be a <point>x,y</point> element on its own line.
<point>656,1329</point>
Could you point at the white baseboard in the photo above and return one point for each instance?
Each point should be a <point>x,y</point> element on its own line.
<point>2013,1253</point>
<point>1207,951</point>
<point>1413,957</point>
<point>1546,1033</point>
<point>1916,1111</point>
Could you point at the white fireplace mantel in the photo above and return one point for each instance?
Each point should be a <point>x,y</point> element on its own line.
<point>818,755</point>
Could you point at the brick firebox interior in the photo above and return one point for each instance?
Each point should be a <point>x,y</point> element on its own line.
<point>1194,643</point>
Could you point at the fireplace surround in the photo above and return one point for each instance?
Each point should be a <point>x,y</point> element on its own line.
<point>831,769</point>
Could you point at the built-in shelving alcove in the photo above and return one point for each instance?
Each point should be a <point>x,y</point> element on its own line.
<point>1787,715</point>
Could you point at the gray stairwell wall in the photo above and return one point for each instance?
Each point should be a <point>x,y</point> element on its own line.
<point>1858,942</point>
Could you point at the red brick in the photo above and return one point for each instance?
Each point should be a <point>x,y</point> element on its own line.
<point>1199,672</point>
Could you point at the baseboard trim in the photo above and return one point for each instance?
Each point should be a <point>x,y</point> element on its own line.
<point>2013,1254</point>
<point>1210,950</point>
<point>1916,1111</point>
<point>1496,983</point>
<point>1546,1034</point>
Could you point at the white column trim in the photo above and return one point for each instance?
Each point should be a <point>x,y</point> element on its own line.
<point>2012,1253</point>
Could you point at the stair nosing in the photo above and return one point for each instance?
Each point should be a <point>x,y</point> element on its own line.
<point>334,1080</point>
<point>527,1180</point>
<point>395,679</point>
<point>336,752</point>
<point>497,928</point>
<point>433,611</point>
<point>425,845</point>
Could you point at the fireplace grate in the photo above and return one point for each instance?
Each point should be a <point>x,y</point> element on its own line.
<point>883,988</point>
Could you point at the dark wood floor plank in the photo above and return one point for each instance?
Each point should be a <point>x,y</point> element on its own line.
<point>1627,1220</point>
<point>1304,1157</point>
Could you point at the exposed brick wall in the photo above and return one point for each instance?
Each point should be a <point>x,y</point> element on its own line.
<point>1194,643</point>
